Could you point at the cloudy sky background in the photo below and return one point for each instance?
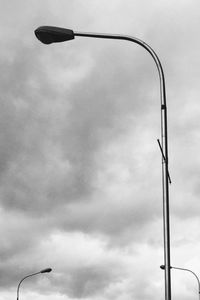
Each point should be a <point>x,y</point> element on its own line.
<point>80,167</point>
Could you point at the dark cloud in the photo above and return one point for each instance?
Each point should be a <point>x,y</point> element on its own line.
<point>91,122</point>
<point>87,281</point>
<point>78,129</point>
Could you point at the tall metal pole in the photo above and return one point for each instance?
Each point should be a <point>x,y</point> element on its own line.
<point>48,35</point>
<point>164,144</point>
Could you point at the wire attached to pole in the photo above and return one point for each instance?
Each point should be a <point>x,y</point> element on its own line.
<point>161,150</point>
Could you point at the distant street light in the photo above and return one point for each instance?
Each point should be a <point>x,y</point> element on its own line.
<point>47,270</point>
<point>183,269</point>
<point>50,34</point>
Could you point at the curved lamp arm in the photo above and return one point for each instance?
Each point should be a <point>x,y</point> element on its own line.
<point>47,270</point>
<point>51,34</point>
<point>188,270</point>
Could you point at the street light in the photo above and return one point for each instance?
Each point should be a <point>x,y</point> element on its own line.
<point>50,34</point>
<point>188,270</point>
<point>47,270</point>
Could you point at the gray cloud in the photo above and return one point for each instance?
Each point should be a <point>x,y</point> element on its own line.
<point>79,123</point>
<point>87,281</point>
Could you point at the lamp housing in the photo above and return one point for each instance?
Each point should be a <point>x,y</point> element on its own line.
<point>52,34</point>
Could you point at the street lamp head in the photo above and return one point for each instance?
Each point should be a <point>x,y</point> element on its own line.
<point>47,270</point>
<point>52,34</point>
<point>162,267</point>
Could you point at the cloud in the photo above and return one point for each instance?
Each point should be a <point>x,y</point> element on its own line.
<point>80,168</point>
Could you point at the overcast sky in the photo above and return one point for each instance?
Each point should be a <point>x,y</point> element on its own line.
<point>80,167</point>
